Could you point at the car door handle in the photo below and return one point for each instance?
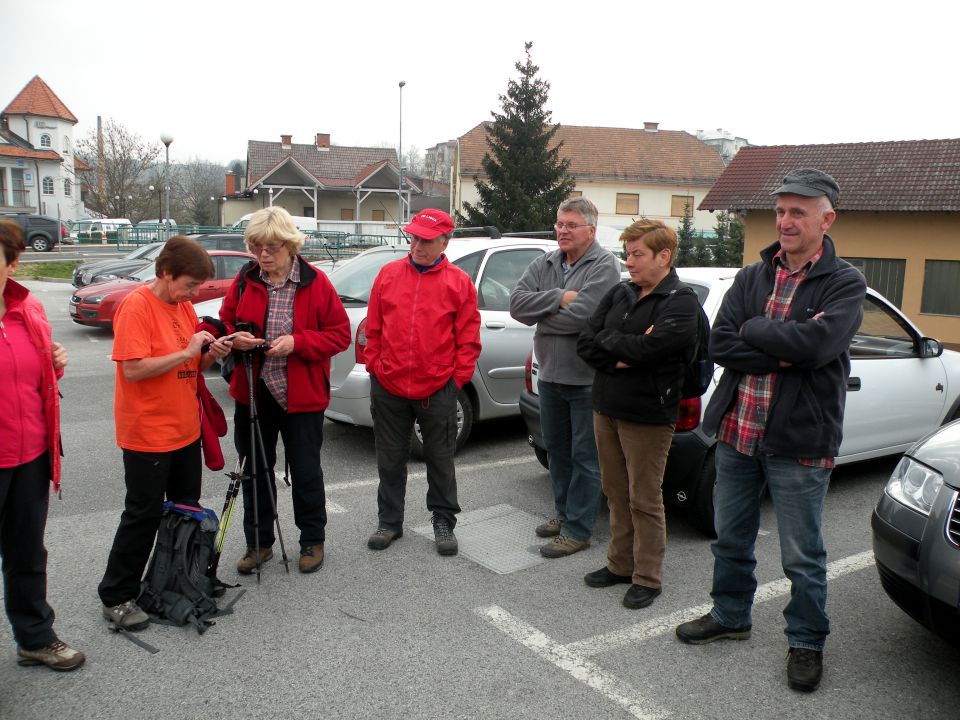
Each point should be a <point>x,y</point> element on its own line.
<point>496,324</point>
<point>853,384</point>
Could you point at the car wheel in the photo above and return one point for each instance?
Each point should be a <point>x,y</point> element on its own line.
<point>464,426</point>
<point>542,456</point>
<point>40,243</point>
<point>701,509</point>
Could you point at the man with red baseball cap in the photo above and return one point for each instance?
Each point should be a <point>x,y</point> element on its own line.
<point>423,340</point>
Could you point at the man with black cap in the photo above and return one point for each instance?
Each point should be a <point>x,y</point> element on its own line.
<point>782,336</point>
<point>423,340</point>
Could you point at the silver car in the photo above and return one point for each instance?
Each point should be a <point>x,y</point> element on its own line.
<point>495,265</point>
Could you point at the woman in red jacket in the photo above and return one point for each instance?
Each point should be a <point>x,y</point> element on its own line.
<point>30,364</point>
<point>292,322</point>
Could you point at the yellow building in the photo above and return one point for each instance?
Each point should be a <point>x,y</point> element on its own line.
<point>898,216</point>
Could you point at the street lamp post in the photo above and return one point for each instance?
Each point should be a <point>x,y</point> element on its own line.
<point>166,139</point>
<point>400,156</point>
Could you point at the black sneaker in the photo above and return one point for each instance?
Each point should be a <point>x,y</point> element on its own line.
<point>705,630</point>
<point>639,596</point>
<point>804,669</point>
<point>382,538</point>
<point>604,578</point>
<point>443,535</point>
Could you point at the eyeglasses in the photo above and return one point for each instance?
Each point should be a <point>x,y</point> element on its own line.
<point>570,226</point>
<point>269,249</point>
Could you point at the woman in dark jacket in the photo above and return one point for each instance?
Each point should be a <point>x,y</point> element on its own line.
<point>638,341</point>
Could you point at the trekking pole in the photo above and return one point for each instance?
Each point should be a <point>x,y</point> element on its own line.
<point>233,489</point>
<point>252,455</point>
<point>272,488</point>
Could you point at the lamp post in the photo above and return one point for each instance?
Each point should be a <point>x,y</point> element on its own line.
<point>400,157</point>
<point>166,139</point>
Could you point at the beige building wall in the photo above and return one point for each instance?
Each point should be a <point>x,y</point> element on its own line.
<point>913,237</point>
<point>331,203</point>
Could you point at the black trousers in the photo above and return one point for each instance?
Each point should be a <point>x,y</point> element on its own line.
<point>302,435</point>
<point>393,419</point>
<point>150,478</point>
<point>24,498</point>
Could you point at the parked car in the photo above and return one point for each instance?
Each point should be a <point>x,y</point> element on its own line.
<point>902,385</point>
<point>99,230</point>
<point>916,533</point>
<point>95,305</point>
<point>115,268</point>
<point>154,230</point>
<point>40,232</point>
<point>221,241</point>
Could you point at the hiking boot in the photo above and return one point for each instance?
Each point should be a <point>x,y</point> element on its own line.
<point>551,528</point>
<point>311,558</point>
<point>443,536</point>
<point>804,669</point>
<point>382,538</point>
<point>248,563</point>
<point>127,616</point>
<point>562,545</point>
<point>705,630</point>
<point>639,596</point>
<point>58,656</point>
<point>604,578</point>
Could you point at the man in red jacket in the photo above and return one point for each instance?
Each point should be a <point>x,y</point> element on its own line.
<point>423,340</point>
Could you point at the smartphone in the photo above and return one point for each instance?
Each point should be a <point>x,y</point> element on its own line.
<point>229,337</point>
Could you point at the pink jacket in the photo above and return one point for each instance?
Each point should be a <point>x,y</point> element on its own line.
<point>41,335</point>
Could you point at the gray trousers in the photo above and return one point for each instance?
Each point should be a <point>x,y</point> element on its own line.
<point>393,419</point>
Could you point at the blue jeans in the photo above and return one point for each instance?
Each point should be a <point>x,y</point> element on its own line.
<point>566,419</point>
<point>798,493</point>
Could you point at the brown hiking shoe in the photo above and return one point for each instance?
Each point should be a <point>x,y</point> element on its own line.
<point>551,528</point>
<point>562,545</point>
<point>58,656</point>
<point>126,616</point>
<point>311,558</point>
<point>248,563</point>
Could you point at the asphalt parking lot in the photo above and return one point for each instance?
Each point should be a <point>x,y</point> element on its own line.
<point>495,632</point>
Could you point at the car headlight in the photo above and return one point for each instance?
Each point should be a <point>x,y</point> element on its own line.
<point>914,485</point>
<point>102,278</point>
<point>94,299</point>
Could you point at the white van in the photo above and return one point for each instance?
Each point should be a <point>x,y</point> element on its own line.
<point>304,224</point>
<point>101,230</point>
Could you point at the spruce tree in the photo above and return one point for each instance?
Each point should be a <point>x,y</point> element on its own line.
<point>728,252</point>
<point>526,179</point>
<point>686,240</point>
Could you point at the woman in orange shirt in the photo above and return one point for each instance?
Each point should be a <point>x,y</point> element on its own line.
<point>158,355</point>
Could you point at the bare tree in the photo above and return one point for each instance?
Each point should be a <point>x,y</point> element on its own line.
<point>124,162</point>
<point>195,183</point>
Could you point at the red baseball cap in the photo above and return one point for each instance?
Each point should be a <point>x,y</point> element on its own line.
<point>429,223</point>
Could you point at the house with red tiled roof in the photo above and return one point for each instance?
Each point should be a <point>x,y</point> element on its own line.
<point>898,216</point>
<point>626,172</point>
<point>356,189</point>
<point>37,172</point>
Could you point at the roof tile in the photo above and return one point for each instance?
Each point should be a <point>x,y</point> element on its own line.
<point>38,99</point>
<point>339,166</point>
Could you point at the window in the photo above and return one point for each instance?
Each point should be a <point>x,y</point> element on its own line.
<point>346,213</point>
<point>628,204</point>
<point>500,276</point>
<point>48,185</point>
<point>66,144</point>
<point>377,215</point>
<point>470,264</point>
<point>574,194</point>
<point>67,187</point>
<point>230,265</point>
<point>307,211</point>
<point>940,282</point>
<point>45,140</point>
<point>881,335</point>
<point>885,275</point>
<point>681,205</point>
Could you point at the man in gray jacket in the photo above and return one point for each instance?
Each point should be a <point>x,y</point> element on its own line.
<point>559,291</point>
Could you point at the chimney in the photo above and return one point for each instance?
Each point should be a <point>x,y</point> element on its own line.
<point>231,184</point>
<point>323,141</point>
<point>285,141</point>
<point>650,126</point>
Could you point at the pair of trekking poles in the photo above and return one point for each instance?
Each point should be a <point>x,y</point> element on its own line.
<point>256,449</point>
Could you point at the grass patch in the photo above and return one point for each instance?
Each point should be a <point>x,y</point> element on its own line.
<point>38,270</point>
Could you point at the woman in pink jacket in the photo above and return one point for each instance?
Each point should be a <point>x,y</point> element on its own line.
<point>30,364</point>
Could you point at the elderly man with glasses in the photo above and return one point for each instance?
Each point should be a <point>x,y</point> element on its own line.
<point>558,292</point>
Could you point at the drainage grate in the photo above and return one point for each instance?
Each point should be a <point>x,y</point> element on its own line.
<point>501,538</point>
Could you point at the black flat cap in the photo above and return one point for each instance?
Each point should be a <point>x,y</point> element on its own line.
<point>810,182</point>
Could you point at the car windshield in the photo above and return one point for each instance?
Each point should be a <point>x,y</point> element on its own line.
<point>147,272</point>
<point>142,251</point>
<point>354,279</point>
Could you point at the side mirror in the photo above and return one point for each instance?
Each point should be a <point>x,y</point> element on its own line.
<point>930,348</point>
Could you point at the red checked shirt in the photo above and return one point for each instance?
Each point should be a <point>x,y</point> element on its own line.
<point>745,423</point>
<point>279,322</point>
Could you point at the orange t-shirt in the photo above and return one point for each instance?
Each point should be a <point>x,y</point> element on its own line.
<point>161,413</point>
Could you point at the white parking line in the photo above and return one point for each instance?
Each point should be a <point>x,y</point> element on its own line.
<point>573,657</point>
<point>422,475</point>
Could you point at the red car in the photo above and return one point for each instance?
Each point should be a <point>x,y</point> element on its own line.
<point>95,304</point>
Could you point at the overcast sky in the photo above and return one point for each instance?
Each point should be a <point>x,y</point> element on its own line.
<point>216,74</point>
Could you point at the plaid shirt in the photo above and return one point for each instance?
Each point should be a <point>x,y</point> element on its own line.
<point>745,423</point>
<point>279,322</point>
